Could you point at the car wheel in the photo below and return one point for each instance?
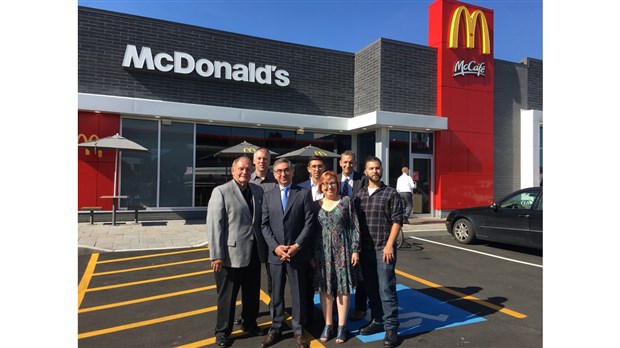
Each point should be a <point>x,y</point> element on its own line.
<point>463,231</point>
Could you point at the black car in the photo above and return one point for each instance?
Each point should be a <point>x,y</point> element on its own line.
<point>517,219</point>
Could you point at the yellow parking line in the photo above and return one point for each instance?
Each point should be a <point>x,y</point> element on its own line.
<point>463,296</point>
<point>313,342</point>
<point>88,273</point>
<point>154,280</point>
<point>211,340</point>
<point>148,322</point>
<point>146,299</point>
<point>153,255</point>
<point>151,267</point>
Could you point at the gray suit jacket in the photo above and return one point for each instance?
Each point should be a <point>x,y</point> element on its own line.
<point>231,229</point>
<point>294,225</point>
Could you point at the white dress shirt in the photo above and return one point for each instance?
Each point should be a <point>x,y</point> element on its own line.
<point>405,183</point>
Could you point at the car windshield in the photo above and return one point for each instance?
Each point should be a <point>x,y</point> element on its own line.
<point>523,200</point>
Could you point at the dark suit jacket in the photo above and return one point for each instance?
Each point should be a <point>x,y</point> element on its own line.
<point>359,180</point>
<point>230,226</point>
<point>294,225</point>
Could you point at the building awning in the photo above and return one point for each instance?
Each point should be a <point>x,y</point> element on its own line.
<point>259,118</point>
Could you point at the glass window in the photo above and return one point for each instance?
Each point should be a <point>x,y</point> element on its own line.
<point>399,155</point>
<point>539,205</point>
<point>523,200</point>
<point>139,169</point>
<point>422,143</point>
<point>176,165</point>
<point>210,171</point>
<point>214,170</point>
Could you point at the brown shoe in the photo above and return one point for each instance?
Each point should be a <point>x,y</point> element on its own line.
<point>301,341</point>
<point>270,339</point>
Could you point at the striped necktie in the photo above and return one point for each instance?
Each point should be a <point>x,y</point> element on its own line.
<point>345,187</point>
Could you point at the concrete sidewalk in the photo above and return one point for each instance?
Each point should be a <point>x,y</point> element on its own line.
<point>172,234</point>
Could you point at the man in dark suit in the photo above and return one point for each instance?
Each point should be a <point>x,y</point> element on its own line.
<point>316,167</point>
<point>351,182</point>
<point>236,245</point>
<point>287,227</point>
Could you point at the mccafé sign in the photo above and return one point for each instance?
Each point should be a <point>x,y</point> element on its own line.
<point>471,22</point>
<point>183,63</point>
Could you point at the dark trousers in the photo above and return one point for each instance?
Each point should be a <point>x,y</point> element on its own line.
<point>408,200</point>
<point>228,281</point>
<point>380,281</point>
<point>309,297</point>
<point>297,279</point>
<point>361,299</point>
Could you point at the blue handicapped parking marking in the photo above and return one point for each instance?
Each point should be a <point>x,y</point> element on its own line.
<point>417,313</point>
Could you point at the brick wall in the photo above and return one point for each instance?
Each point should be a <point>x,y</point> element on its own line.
<point>517,86</point>
<point>321,79</point>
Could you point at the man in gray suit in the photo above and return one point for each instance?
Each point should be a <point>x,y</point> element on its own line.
<point>235,242</point>
<point>287,227</point>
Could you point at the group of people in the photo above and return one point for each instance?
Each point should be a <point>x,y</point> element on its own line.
<point>333,234</point>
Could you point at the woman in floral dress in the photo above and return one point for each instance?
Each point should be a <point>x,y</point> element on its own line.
<point>336,254</point>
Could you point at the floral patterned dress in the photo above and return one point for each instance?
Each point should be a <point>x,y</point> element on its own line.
<point>339,238</point>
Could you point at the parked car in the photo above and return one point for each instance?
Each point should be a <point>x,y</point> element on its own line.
<point>517,219</point>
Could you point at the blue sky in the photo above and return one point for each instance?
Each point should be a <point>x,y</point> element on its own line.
<point>344,25</point>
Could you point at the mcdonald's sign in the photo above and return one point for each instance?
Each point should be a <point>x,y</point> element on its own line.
<point>471,22</point>
<point>82,138</point>
<point>249,149</point>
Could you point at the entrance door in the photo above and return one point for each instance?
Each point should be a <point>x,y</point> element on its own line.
<point>422,174</point>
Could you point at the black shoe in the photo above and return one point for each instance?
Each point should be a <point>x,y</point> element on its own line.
<point>372,328</point>
<point>341,337</point>
<point>238,321</point>
<point>390,339</point>
<point>255,330</point>
<point>221,340</point>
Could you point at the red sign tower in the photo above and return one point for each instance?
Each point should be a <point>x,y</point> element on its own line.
<point>463,36</point>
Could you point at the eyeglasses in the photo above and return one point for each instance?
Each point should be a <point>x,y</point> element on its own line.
<point>330,184</point>
<point>280,171</point>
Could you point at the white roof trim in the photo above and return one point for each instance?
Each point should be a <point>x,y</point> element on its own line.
<point>250,117</point>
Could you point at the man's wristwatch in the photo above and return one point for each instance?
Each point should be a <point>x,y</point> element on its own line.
<point>297,246</point>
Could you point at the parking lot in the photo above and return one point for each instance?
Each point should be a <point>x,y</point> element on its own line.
<point>449,296</point>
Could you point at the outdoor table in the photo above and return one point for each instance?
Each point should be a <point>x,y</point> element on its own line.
<point>114,202</point>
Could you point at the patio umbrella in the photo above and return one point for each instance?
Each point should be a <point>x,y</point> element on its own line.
<point>309,151</point>
<point>243,148</point>
<point>240,149</point>
<point>114,142</point>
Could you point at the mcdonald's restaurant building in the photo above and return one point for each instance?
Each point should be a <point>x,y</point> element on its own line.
<point>469,126</point>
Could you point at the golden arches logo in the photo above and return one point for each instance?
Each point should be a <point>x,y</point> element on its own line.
<point>471,21</point>
<point>320,153</point>
<point>82,138</point>
<point>249,149</point>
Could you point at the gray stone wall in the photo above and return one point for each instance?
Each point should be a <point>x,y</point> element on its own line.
<point>368,79</point>
<point>321,80</point>
<point>517,86</point>
<point>408,78</point>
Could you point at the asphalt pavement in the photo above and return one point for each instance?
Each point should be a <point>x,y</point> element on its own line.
<point>175,234</point>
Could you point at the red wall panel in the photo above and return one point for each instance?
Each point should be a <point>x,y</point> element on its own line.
<point>95,169</point>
